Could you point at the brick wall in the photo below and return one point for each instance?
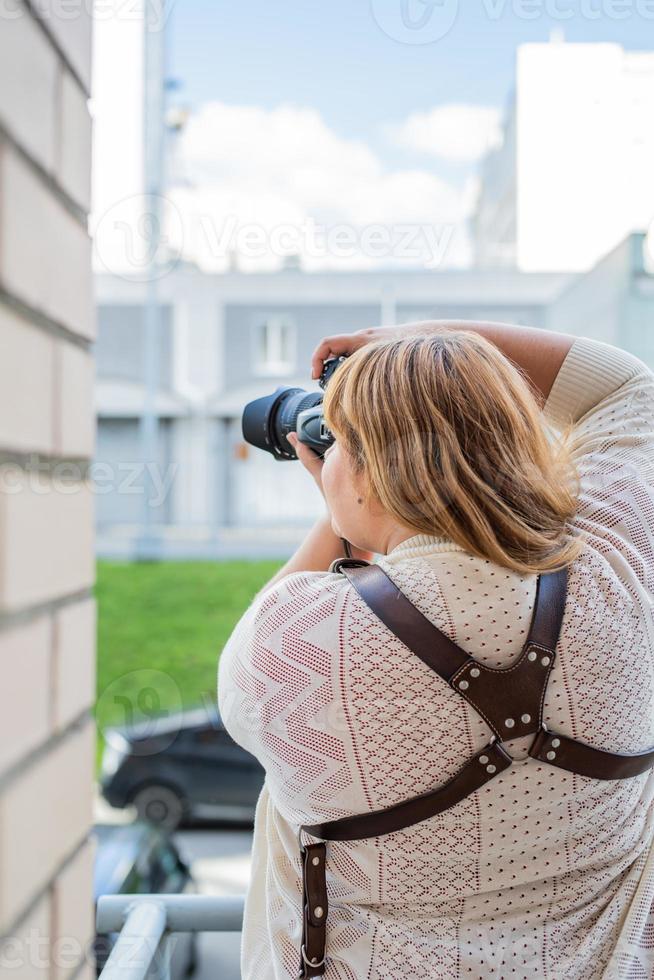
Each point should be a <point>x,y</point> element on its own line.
<point>47,612</point>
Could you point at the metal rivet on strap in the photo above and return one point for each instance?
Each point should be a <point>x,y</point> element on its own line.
<point>551,755</point>
<point>556,742</point>
<point>545,661</point>
<point>315,860</point>
<point>474,672</point>
<point>532,655</point>
<point>463,685</point>
<point>525,718</point>
<point>318,911</point>
<point>483,759</point>
<point>509,722</point>
<point>491,768</point>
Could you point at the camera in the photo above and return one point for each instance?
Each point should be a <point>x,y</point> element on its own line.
<point>268,420</point>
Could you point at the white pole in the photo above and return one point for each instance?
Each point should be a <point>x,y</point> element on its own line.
<point>153,134</point>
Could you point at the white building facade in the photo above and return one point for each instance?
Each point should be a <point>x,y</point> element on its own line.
<point>574,174</point>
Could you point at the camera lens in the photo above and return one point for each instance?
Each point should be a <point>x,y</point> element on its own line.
<point>268,420</point>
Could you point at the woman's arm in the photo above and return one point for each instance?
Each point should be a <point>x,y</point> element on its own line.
<point>538,353</point>
<point>321,546</point>
<point>315,554</point>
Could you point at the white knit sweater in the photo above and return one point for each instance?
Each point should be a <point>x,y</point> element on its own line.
<point>540,874</point>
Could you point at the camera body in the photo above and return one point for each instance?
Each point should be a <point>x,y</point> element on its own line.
<point>268,420</point>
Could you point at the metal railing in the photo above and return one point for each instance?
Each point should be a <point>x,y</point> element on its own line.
<point>144,923</point>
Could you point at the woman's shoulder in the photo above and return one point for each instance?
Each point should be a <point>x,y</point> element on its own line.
<point>304,587</point>
<point>302,602</point>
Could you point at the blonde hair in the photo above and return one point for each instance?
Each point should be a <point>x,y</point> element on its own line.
<point>453,443</point>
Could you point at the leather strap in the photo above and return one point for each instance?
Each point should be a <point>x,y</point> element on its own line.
<point>481,768</point>
<point>549,608</point>
<point>509,699</point>
<point>314,911</point>
<point>402,618</point>
<point>429,643</point>
<point>575,756</point>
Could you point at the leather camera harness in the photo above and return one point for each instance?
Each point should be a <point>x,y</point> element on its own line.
<point>509,699</point>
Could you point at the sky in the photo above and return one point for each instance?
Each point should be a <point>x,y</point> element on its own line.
<point>351,113</point>
<point>336,57</point>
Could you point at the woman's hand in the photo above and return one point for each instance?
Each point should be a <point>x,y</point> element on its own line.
<point>308,458</point>
<point>346,343</point>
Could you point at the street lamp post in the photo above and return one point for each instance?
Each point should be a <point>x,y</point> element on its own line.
<point>148,546</point>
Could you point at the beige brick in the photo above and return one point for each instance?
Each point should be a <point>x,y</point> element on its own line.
<point>74,151</point>
<point>74,660</point>
<point>46,536</point>
<point>75,422</point>
<point>25,953</point>
<point>45,253</point>
<point>26,385</point>
<point>69,22</point>
<point>73,929</point>
<point>24,689</point>
<point>44,814</point>
<point>87,972</point>
<point>28,73</point>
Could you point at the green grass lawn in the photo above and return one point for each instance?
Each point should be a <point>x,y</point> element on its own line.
<point>161,627</point>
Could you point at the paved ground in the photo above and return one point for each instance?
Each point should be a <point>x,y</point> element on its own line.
<point>220,861</point>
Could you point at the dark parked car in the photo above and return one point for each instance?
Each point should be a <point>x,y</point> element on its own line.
<point>134,859</point>
<point>178,768</point>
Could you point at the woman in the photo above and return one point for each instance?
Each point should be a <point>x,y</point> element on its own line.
<point>457,463</point>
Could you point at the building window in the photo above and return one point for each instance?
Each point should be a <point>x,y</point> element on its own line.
<point>275,345</point>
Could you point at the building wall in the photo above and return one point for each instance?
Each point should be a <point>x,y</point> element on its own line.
<point>119,344</point>
<point>494,220</point>
<point>594,304</point>
<point>584,114</point>
<point>554,196</point>
<point>47,612</point>
<point>310,321</point>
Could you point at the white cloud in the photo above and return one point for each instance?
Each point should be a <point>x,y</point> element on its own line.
<point>458,133</point>
<point>268,183</point>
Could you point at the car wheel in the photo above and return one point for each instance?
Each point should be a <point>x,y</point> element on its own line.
<point>159,805</point>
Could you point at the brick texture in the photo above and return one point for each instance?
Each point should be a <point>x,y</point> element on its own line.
<point>44,816</point>
<point>73,925</point>
<point>74,424</point>
<point>37,233</point>
<point>74,661</point>
<point>47,620</point>
<point>70,25</point>
<point>26,385</point>
<point>25,954</point>
<point>25,703</point>
<point>28,105</point>
<point>74,143</point>
<point>46,546</point>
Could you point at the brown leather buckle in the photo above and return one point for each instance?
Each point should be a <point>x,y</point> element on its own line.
<point>314,909</point>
